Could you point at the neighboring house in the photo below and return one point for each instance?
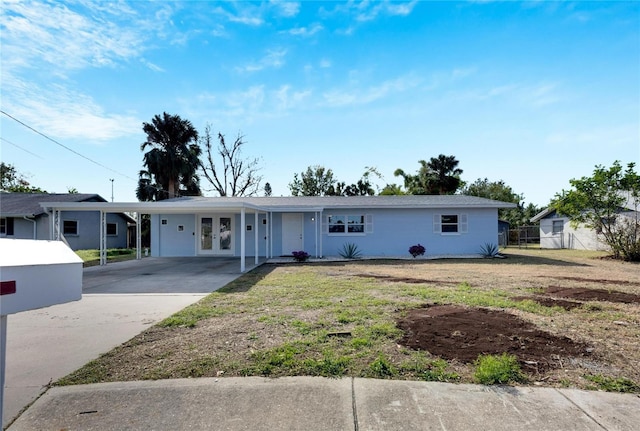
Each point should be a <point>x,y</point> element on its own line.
<point>22,216</point>
<point>556,231</point>
<point>450,225</point>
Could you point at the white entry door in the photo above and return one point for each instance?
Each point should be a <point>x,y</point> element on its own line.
<point>292,240</point>
<point>216,234</point>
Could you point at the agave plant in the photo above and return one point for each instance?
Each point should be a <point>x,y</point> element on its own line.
<point>350,251</point>
<point>490,250</point>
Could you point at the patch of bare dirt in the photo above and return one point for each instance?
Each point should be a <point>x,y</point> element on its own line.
<point>408,280</point>
<point>599,281</point>
<point>584,294</point>
<point>454,332</point>
<point>550,302</point>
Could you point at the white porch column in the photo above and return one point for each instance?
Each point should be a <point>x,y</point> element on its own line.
<point>242,239</point>
<point>138,235</point>
<point>103,238</point>
<point>315,216</point>
<point>255,233</point>
<point>321,233</point>
<point>270,234</point>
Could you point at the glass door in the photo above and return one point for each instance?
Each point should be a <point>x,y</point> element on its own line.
<point>216,235</point>
<point>206,234</point>
<point>224,244</point>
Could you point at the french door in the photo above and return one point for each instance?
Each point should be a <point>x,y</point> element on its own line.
<point>215,234</point>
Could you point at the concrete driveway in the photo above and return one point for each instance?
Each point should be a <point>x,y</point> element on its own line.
<point>119,301</point>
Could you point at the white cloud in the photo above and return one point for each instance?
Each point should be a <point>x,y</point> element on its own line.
<point>35,32</point>
<point>286,8</point>
<point>64,113</point>
<point>248,15</point>
<point>273,59</point>
<point>369,10</point>
<point>306,31</point>
<point>533,96</point>
<point>325,63</point>
<point>344,97</point>
<point>152,66</point>
<point>288,99</point>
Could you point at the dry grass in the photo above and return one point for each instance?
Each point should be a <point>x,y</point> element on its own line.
<point>339,319</point>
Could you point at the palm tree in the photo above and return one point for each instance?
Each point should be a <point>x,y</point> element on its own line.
<point>173,157</point>
<point>444,174</point>
<point>439,176</point>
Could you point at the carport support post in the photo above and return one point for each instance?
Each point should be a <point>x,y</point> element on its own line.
<point>3,361</point>
<point>242,239</point>
<point>255,233</point>
<point>103,238</point>
<point>138,236</point>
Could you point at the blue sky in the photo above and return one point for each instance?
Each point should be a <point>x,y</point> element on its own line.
<point>532,93</point>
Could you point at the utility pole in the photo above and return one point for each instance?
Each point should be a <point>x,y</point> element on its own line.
<point>111,179</point>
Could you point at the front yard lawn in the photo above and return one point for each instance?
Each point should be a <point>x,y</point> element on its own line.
<point>406,319</point>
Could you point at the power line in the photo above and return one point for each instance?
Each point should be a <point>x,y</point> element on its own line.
<point>160,189</point>
<point>23,149</point>
<point>66,148</point>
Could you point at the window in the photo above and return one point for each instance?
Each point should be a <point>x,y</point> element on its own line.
<point>557,227</point>
<point>350,224</point>
<point>112,229</point>
<point>180,228</point>
<point>70,227</point>
<point>6,226</point>
<point>164,221</point>
<point>450,223</point>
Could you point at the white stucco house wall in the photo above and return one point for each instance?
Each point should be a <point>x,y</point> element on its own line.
<point>449,225</point>
<point>556,231</point>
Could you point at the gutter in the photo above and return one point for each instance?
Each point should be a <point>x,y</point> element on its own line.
<point>34,226</point>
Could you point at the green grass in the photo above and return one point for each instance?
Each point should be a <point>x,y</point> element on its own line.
<point>325,322</point>
<point>500,370</point>
<point>92,257</point>
<point>610,384</point>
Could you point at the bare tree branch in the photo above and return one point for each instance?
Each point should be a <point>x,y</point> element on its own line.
<point>234,176</point>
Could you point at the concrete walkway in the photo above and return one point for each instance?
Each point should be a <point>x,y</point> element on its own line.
<point>314,403</point>
<point>119,301</point>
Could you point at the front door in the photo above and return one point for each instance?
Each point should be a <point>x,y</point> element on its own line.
<point>292,233</point>
<point>216,234</point>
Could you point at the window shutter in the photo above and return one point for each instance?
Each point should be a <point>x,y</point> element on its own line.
<point>368,224</point>
<point>463,223</point>
<point>9,226</point>
<point>325,225</point>
<point>437,223</point>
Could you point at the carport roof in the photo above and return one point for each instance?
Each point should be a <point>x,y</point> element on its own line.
<point>284,203</point>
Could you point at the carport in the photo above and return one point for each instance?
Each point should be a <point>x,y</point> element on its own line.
<point>245,209</point>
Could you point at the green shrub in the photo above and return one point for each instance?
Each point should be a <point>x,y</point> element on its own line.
<point>350,251</point>
<point>494,369</point>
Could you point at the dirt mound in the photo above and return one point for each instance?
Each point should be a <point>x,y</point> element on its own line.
<point>454,332</point>
<point>583,294</point>
<point>550,302</point>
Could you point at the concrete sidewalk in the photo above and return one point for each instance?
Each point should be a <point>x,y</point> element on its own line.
<point>119,301</point>
<point>314,403</point>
